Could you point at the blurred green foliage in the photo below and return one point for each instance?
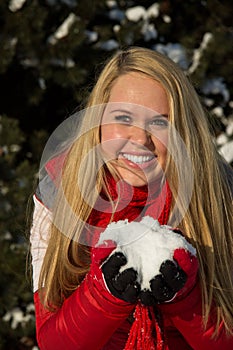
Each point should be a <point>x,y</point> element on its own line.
<point>43,78</point>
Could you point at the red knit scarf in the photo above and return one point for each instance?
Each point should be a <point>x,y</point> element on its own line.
<point>146,333</point>
<point>135,202</point>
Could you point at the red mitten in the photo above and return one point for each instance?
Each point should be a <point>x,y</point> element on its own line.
<point>99,255</point>
<point>176,279</point>
<point>189,264</point>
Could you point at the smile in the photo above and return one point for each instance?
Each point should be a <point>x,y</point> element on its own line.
<point>138,159</point>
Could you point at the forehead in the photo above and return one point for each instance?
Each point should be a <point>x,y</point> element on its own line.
<point>137,88</point>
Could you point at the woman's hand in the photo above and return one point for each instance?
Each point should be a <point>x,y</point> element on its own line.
<point>105,267</point>
<point>150,262</point>
<point>122,285</point>
<point>177,277</point>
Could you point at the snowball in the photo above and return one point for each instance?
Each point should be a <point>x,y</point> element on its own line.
<point>146,244</point>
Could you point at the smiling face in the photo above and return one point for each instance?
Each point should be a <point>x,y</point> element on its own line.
<point>135,127</point>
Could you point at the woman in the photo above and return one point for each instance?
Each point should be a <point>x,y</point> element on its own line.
<point>143,148</point>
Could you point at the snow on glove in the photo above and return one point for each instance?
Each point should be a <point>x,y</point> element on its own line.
<point>165,262</point>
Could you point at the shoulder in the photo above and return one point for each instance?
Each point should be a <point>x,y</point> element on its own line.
<point>49,180</point>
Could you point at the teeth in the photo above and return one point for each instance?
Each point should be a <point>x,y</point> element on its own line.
<point>137,159</point>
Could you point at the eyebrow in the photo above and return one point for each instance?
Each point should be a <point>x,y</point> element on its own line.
<point>131,113</point>
<point>122,111</point>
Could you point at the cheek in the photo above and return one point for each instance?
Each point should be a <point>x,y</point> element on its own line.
<point>112,139</point>
<point>161,145</point>
<point>110,132</point>
<point>163,151</point>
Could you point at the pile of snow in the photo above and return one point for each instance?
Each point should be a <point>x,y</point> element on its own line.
<point>146,244</point>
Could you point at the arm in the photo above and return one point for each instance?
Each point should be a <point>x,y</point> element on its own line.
<point>86,320</point>
<point>89,317</point>
<point>187,317</point>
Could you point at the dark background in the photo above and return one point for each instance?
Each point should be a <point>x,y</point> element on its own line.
<point>44,77</point>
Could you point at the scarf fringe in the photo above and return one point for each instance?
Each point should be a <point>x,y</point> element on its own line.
<point>142,330</point>
<point>145,333</point>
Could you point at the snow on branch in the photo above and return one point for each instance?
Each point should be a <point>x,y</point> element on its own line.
<point>15,5</point>
<point>63,29</point>
<point>198,53</point>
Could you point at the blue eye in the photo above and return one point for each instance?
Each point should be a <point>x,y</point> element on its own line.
<point>159,122</point>
<point>125,119</point>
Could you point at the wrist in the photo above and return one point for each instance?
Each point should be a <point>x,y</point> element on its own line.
<point>102,297</point>
<point>182,304</point>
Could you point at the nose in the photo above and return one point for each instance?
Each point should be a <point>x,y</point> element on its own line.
<point>139,135</point>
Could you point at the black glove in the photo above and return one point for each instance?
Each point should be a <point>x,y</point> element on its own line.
<point>122,285</point>
<point>165,285</point>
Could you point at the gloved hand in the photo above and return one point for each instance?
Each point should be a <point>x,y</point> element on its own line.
<point>177,277</point>
<point>122,285</point>
<point>105,268</point>
<point>161,264</point>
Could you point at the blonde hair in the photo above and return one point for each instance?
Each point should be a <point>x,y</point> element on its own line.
<point>207,221</point>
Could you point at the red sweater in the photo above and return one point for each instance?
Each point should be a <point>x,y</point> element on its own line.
<point>93,319</point>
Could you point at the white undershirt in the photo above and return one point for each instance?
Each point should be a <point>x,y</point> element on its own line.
<point>39,238</point>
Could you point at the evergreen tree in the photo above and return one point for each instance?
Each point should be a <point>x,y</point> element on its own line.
<point>18,174</point>
<point>51,52</point>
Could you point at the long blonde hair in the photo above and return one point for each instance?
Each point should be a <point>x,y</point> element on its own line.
<point>208,220</point>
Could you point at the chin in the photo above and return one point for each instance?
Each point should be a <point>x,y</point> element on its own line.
<point>136,183</point>
<point>133,179</point>
<point>141,178</point>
